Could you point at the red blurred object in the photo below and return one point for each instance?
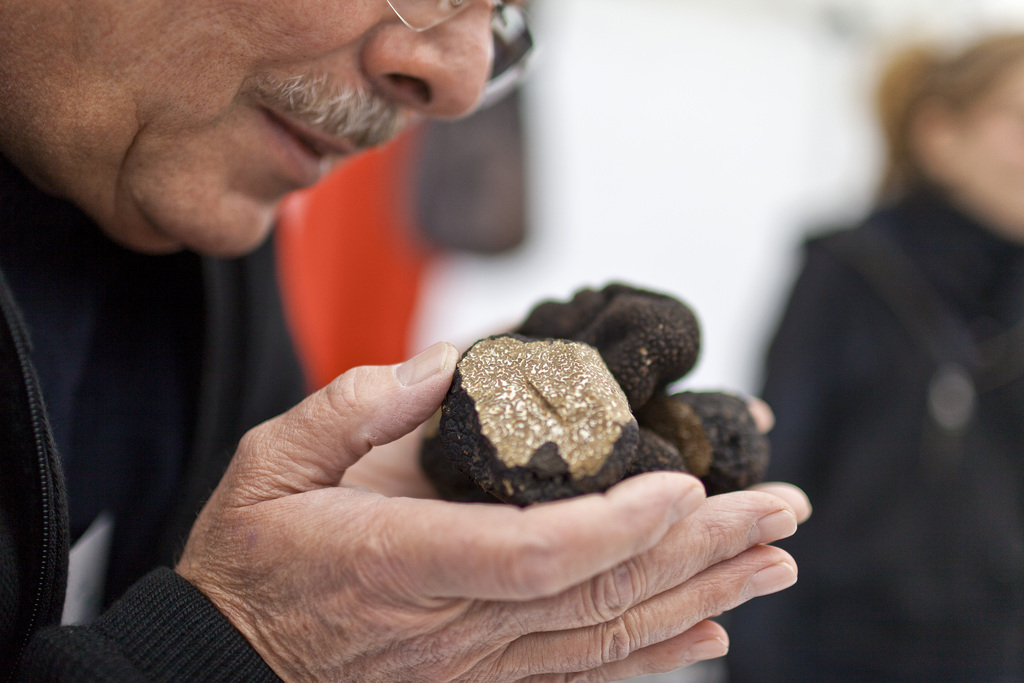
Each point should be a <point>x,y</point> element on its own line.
<point>351,263</point>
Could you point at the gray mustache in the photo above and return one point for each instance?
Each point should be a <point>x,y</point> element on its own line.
<point>362,118</point>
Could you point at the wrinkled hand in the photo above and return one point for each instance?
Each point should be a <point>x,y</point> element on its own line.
<point>335,583</point>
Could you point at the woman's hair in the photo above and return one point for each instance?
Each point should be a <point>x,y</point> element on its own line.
<point>923,75</point>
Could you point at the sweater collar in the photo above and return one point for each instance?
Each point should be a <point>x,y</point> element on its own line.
<point>978,271</point>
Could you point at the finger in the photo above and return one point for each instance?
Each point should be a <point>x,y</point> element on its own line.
<point>313,444</point>
<point>500,552</point>
<point>724,527</point>
<point>758,571</point>
<point>706,640</point>
<point>762,413</point>
<point>793,496</point>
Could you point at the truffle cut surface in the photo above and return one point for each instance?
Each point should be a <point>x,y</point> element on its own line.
<point>534,420</point>
<point>530,393</point>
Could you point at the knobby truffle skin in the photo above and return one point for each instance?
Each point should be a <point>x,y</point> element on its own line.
<point>535,420</point>
<point>647,339</point>
<point>655,454</point>
<point>675,421</point>
<point>450,482</point>
<point>740,451</point>
<point>489,451</point>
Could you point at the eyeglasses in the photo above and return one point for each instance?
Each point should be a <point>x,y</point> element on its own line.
<point>513,42</point>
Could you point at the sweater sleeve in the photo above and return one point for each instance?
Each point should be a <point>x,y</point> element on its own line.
<point>162,629</point>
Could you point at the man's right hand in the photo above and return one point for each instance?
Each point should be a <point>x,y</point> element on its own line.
<point>335,583</point>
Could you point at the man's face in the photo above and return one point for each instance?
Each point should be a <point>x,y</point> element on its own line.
<point>181,124</point>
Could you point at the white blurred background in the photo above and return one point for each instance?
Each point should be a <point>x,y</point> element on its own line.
<point>687,146</point>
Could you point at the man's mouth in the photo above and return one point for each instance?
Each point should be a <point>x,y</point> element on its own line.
<point>316,142</point>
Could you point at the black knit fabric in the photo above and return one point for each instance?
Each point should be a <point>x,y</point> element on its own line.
<point>162,628</point>
<point>116,340</point>
<point>33,512</point>
<point>134,641</point>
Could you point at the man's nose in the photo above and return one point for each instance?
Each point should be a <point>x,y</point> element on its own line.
<point>439,72</point>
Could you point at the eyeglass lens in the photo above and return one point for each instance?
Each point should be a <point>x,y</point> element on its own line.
<point>512,38</point>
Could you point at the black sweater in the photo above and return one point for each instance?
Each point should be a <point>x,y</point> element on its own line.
<point>161,628</point>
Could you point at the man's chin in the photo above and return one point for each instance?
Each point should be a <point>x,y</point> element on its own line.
<point>221,241</point>
<point>227,230</point>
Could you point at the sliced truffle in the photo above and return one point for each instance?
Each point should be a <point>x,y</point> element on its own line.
<point>647,339</point>
<point>535,420</point>
<point>740,451</point>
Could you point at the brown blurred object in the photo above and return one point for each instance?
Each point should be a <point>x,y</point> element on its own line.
<point>470,183</point>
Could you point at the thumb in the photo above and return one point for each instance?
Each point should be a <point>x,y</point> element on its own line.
<point>311,445</point>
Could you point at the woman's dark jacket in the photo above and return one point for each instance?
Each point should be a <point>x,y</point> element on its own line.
<point>162,628</point>
<point>897,379</point>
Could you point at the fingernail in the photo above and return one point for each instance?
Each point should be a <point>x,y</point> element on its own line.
<point>712,648</point>
<point>770,580</point>
<point>781,524</point>
<point>428,363</point>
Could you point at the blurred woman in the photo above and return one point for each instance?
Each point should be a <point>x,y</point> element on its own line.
<point>898,369</point>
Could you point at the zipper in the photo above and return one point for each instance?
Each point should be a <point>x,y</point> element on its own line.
<point>40,432</point>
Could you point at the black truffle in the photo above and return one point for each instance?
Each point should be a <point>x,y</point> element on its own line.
<point>536,420</point>
<point>504,428</point>
<point>654,453</point>
<point>674,421</point>
<point>647,339</point>
<point>740,452</point>
<point>451,483</point>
